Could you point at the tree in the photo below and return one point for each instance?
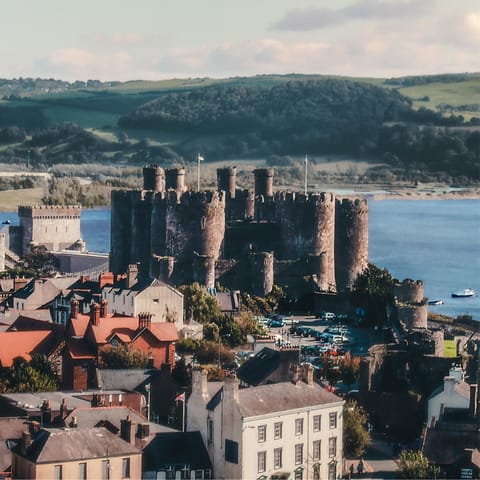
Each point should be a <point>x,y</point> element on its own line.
<point>415,465</point>
<point>350,367</point>
<point>356,437</point>
<point>41,261</point>
<point>372,292</point>
<point>199,304</point>
<point>121,357</point>
<point>34,376</point>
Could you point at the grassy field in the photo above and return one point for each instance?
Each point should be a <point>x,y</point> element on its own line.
<point>10,199</point>
<point>449,349</point>
<point>454,94</point>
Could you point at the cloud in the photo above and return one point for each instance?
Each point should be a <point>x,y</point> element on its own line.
<point>74,64</point>
<point>124,39</point>
<point>315,18</point>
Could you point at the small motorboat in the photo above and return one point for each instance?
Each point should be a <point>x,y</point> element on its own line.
<point>6,222</point>
<point>435,302</point>
<point>468,292</point>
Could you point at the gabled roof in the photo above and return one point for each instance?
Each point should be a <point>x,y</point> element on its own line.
<point>75,444</point>
<point>20,344</point>
<point>164,331</point>
<point>284,396</point>
<point>178,448</point>
<point>11,428</point>
<point>259,367</point>
<point>89,417</point>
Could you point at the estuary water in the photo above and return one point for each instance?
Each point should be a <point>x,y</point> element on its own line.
<point>437,241</point>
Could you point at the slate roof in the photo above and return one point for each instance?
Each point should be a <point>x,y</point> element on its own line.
<point>123,379</point>
<point>75,444</point>
<point>36,399</point>
<point>462,388</point>
<point>445,447</point>
<point>11,428</point>
<point>259,367</point>
<point>277,397</point>
<point>89,417</point>
<point>178,448</point>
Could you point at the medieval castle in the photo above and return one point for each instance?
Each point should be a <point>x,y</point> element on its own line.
<point>242,239</point>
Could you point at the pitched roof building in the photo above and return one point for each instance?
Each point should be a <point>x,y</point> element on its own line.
<point>281,429</point>
<point>75,453</point>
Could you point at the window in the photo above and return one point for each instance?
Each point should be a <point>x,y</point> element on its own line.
<point>277,429</point>
<point>262,433</point>
<point>332,471</point>
<point>209,430</point>
<point>82,471</point>
<point>58,472</point>
<point>231,451</point>
<point>316,449</point>
<point>277,458</point>
<point>332,447</point>
<point>261,461</point>
<point>105,469</point>
<point>299,426</point>
<point>317,423</point>
<point>125,468</point>
<point>332,417</point>
<point>298,453</point>
<point>298,474</point>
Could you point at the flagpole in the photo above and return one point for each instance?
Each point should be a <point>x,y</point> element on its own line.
<point>198,172</point>
<point>183,415</point>
<point>306,171</point>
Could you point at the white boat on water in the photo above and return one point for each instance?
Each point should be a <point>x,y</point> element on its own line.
<point>468,292</point>
<point>435,302</point>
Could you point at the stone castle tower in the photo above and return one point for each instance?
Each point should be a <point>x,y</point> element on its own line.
<point>241,238</point>
<point>55,227</point>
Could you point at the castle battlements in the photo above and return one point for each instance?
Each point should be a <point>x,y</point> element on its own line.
<point>324,238</point>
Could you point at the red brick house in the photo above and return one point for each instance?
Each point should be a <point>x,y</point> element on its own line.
<point>88,335</point>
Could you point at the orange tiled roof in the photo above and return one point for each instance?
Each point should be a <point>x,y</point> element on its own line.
<point>19,344</point>
<point>165,332</point>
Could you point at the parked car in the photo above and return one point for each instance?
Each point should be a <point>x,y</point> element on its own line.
<point>275,323</point>
<point>328,316</point>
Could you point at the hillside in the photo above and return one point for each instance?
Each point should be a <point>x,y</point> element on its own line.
<point>274,117</point>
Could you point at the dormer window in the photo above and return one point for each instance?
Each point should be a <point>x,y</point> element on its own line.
<point>114,342</point>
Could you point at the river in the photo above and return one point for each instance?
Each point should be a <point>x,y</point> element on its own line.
<point>437,241</point>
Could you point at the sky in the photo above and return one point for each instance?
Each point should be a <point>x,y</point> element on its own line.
<point>160,39</point>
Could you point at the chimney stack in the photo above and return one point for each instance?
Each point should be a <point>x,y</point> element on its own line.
<point>46,413</point>
<point>73,423</point>
<point>132,275</point>
<point>26,442</point>
<point>74,305</point>
<point>33,427</point>
<point>105,278</point>
<point>95,314</point>
<point>103,308</point>
<point>63,408</point>
<point>127,430</point>
<point>144,320</point>
<point>143,430</point>
<point>230,388</point>
<point>200,383</point>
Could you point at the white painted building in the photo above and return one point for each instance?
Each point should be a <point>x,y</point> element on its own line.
<point>164,302</point>
<point>282,430</point>
<point>454,393</point>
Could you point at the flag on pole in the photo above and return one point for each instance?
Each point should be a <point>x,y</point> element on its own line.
<point>180,398</point>
<point>200,158</point>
